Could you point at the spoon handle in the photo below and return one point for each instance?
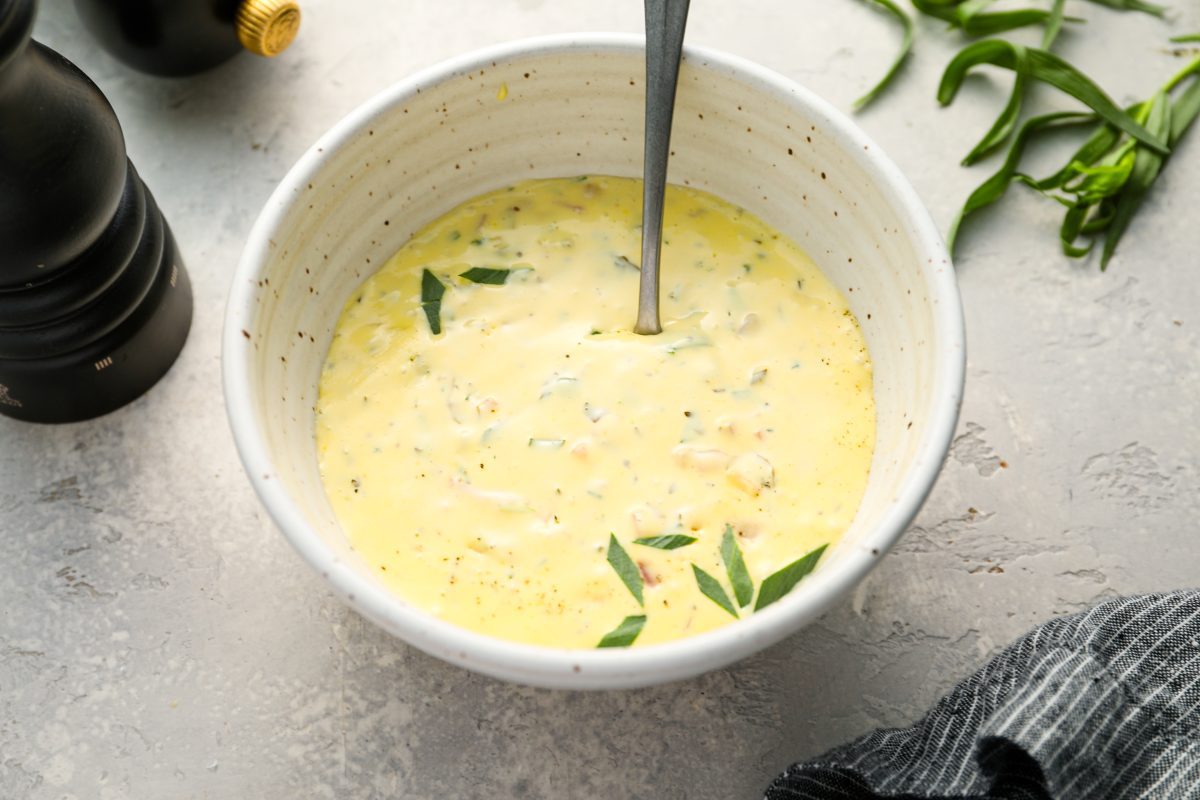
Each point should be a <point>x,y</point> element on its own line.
<point>665,23</point>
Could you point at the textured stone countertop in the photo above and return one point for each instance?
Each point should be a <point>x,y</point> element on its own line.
<point>159,639</point>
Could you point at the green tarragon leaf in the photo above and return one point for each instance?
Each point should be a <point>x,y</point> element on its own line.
<point>710,587</point>
<point>1053,23</point>
<point>1070,229</point>
<point>431,300</point>
<point>1103,137</point>
<point>905,47</point>
<point>780,583</point>
<point>1001,21</point>
<point>672,541</point>
<point>1146,166</point>
<point>1133,5</point>
<point>1185,110</point>
<point>735,568</point>
<point>994,187</point>
<point>966,15</point>
<point>492,276</point>
<point>1047,68</point>
<point>626,570</point>
<point>624,634</point>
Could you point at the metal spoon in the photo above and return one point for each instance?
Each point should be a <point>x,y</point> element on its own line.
<point>665,22</point>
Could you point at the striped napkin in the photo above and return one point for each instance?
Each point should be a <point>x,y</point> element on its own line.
<point>1103,704</point>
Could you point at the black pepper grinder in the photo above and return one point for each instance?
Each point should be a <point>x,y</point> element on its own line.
<point>182,37</point>
<point>94,302</point>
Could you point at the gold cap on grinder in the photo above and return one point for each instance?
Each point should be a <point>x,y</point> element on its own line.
<point>267,27</point>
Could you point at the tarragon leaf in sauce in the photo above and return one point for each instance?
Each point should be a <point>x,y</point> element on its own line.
<point>625,263</point>
<point>626,570</point>
<point>735,568</point>
<point>671,541</point>
<point>710,587</point>
<point>624,634</point>
<point>431,300</point>
<point>780,583</point>
<point>492,276</point>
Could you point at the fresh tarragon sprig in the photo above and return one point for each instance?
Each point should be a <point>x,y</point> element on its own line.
<point>1107,178</point>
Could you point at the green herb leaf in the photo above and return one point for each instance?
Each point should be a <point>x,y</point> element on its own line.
<point>671,541</point>
<point>1053,23</point>
<point>1147,164</point>
<point>1133,5</point>
<point>735,568</point>
<point>493,276</point>
<point>710,587</point>
<point>547,444</point>
<point>626,570</point>
<point>1187,37</point>
<point>994,187</point>
<point>1068,232</point>
<point>625,263</point>
<point>1002,128</point>
<point>1047,68</point>
<point>965,15</point>
<point>1185,111</point>
<point>780,583</point>
<point>1099,143</point>
<point>624,634</point>
<point>431,300</point>
<point>1001,21</point>
<point>905,47</point>
<point>942,9</point>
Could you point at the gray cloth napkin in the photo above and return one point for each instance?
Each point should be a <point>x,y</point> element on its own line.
<point>1103,704</point>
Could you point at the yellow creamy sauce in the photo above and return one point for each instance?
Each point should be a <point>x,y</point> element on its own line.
<point>483,470</point>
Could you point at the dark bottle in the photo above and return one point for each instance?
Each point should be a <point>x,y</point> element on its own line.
<point>94,301</point>
<point>182,37</point>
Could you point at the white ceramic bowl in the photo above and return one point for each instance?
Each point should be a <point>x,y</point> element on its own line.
<point>572,105</point>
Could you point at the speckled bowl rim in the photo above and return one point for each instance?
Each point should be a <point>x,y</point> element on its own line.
<point>577,668</point>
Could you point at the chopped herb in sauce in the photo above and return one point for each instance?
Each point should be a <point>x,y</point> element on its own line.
<point>626,570</point>
<point>687,343</point>
<point>710,587</point>
<point>670,541</point>
<point>780,583</point>
<point>431,300</point>
<point>492,276</point>
<point>624,634</point>
<point>735,568</point>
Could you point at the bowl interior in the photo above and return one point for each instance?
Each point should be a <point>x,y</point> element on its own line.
<point>570,108</point>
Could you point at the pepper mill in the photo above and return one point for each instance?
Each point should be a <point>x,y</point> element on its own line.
<point>94,302</point>
<point>182,37</point>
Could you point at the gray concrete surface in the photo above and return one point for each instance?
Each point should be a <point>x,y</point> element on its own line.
<point>158,639</point>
